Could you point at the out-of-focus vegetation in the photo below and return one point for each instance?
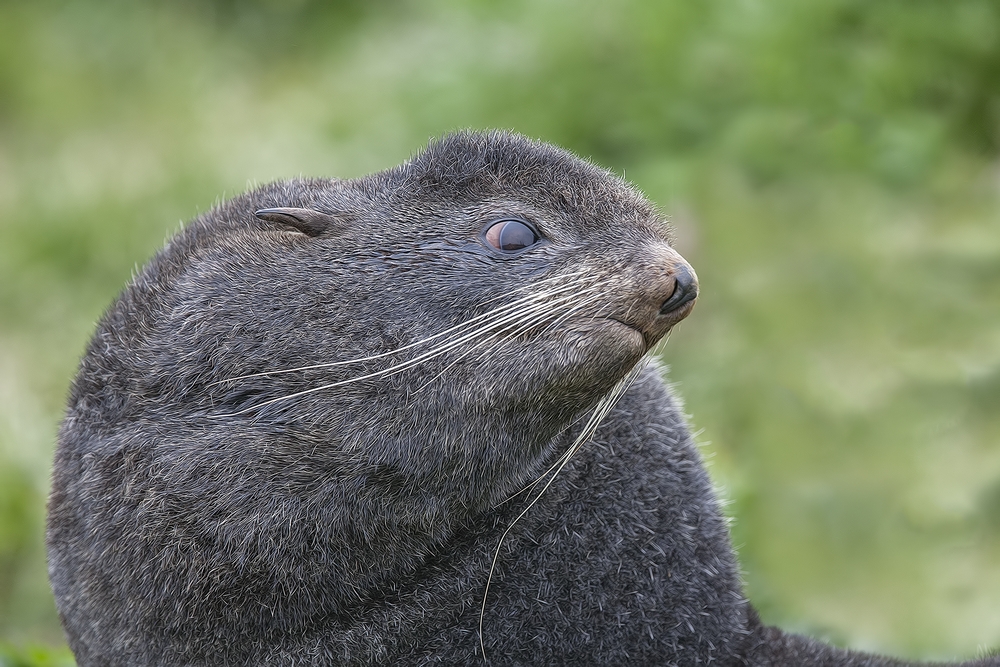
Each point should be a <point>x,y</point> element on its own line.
<point>830,165</point>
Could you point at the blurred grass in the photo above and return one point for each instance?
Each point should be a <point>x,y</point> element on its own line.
<point>831,167</point>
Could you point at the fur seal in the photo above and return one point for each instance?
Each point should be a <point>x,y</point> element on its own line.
<point>331,414</point>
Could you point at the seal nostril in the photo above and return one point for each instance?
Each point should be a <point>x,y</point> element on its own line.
<point>685,290</point>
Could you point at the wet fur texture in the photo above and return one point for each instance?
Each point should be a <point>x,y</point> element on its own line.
<point>208,510</point>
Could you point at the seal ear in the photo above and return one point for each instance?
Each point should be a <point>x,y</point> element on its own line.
<point>306,220</point>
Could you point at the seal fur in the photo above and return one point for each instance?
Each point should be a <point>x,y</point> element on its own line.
<point>300,433</point>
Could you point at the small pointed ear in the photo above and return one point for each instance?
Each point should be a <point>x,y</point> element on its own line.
<point>306,220</point>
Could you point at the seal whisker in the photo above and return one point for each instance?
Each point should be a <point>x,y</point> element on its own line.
<point>529,319</point>
<point>562,318</point>
<point>464,324</point>
<point>410,363</point>
<point>600,411</point>
<point>572,281</point>
<point>565,278</point>
<point>526,327</point>
<point>565,456</point>
<point>382,355</point>
<point>519,328</point>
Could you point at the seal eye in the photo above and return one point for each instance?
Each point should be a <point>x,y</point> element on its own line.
<point>510,235</point>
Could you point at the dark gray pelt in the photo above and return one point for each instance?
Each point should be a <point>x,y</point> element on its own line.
<point>205,512</point>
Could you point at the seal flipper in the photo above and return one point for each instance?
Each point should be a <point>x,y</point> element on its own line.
<point>308,221</point>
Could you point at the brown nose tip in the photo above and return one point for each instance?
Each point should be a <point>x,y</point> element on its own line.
<point>685,290</point>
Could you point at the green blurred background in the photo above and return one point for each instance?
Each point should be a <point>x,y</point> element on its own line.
<point>831,167</point>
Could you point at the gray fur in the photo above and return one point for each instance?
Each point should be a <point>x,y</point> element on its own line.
<point>209,510</point>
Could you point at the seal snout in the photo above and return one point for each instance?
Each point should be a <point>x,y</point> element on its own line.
<point>665,288</point>
<point>685,289</point>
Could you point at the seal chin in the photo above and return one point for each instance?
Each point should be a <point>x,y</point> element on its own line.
<point>667,321</point>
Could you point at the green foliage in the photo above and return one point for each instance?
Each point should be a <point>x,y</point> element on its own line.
<point>36,656</point>
<point>830,167</point>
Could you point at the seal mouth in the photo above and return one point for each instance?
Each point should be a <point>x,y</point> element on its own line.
<point>632,331</point>
<point>681,313</point>
<point>653,331</point>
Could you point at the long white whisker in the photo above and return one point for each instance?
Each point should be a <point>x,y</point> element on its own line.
<point>603,407</point>
<point>560,318</point>
<point>517,303</point>
<point>527,325</point>
<point>557,464</point>
<point>572,449</point>
<point>522,329</point>
<point>569,452</point>
<point>561,280</point>
<point>397,368</point>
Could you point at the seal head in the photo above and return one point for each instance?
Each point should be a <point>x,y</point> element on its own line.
<point>319,384</point>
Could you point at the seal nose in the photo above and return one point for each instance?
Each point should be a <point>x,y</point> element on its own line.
<point>685,290</point>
